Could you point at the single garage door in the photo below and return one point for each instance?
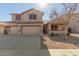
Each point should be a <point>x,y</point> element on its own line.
<point>14,31</point>
<point>31,30</point>
<point>1,30</point>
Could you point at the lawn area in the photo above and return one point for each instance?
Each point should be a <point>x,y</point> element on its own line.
<point>58,42</point>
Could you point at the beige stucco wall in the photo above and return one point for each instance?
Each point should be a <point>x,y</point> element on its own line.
<point>48,27</point>
<point>2,29</point>
<point>25,16</point>
<point>13,18</point>
<point>74,24</point>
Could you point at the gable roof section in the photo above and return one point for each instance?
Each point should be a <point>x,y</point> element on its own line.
<point>31,9</point>
<point>26,11</point>
<point>57,21</point>
<point>46,21</point>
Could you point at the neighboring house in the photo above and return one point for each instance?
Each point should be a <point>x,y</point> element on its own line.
<point>2,27</point>
<point>56,26</point>
<point>27,23</point>
<point>74,24</point>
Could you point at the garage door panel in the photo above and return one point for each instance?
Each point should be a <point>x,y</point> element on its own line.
<point>14,30</point>
<point>31,30</point>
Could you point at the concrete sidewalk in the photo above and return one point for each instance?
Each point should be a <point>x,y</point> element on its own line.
<point>59,52</point>
<point>75,35</point>
<point>64,52</point>
<point>40,52</point>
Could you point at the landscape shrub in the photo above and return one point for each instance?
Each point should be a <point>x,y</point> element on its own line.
<point>68,34</point>
<point>52,34</point>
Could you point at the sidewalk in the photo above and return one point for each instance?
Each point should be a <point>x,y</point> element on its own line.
<point>64,52</point>
<point>75,35</point>
<point>40,52</point>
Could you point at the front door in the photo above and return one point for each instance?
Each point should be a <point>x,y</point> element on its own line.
<point>69,30</point>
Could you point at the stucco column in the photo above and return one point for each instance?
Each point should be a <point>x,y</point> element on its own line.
<point>19,29</point>
<point>49,28</point>
<point>59,27</point>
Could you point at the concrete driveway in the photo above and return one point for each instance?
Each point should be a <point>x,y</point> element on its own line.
<point>19,42</point>
<point>19,45</point>
<point>29,46</point>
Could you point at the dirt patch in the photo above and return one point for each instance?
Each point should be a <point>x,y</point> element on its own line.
<point>58,42</point>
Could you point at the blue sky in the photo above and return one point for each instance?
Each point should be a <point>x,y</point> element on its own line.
<point>7,8</point>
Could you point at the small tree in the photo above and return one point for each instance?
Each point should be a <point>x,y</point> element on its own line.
<point>69,10</point>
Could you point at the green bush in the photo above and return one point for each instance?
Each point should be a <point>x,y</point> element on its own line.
<point>52,34</point>
<point>56,34</point>
<point>68,34</point>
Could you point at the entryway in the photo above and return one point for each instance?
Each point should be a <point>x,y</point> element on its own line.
<point>69,30</point>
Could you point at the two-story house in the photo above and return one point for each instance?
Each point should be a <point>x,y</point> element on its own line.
<point>26,23</point>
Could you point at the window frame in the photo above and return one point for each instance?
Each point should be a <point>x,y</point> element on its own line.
<point>32,16</point>
<point>18,17</point>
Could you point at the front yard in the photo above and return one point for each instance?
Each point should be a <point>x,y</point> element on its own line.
<point>58,42</point>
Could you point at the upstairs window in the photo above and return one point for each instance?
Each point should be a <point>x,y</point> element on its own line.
<point>18,17</point>
<point>32,16</point>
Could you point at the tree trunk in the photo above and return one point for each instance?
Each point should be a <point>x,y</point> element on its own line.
<point>66,31</point>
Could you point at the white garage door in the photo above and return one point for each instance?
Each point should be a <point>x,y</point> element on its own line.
<point>14,30</point>
<point>1,30</point>
<point>31,30</point>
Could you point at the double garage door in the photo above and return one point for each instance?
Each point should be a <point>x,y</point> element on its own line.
<point>31,30</point>
<point>26,30</point>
